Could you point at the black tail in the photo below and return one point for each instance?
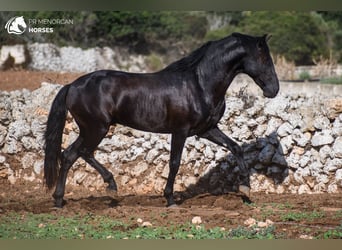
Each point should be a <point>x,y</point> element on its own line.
<point>53,137</point>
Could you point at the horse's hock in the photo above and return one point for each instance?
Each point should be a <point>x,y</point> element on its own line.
<point>292,144</point>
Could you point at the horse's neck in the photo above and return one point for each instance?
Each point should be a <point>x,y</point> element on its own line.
<point>216,81</point>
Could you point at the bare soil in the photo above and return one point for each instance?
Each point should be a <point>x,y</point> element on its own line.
<point>294,216</point>
<point>19,79</point>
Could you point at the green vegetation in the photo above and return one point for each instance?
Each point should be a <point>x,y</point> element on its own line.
<point>253,233</point>
<point>47,226</point>
<point>91,226</point>
<point>154,62</point>
<point>140,30</point>
<point>304,76</point>
<point>300,37</point>
<point>332,233</point>
<point>332,80</point>
<point>299,216</point>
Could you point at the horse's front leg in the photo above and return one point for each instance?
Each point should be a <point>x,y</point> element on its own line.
<point>217,136</point>
<point>177,144</point>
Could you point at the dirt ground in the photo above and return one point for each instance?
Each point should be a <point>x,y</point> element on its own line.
<point>19,79</point>
<point>294,216</point>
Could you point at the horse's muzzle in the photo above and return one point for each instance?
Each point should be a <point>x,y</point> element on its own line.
<point>270,94</point>
<point>271,91</point>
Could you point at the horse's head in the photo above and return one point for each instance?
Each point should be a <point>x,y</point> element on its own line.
<point>20,21</point>
<point>258,64</point>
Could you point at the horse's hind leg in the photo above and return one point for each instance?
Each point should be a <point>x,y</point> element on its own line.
<point>69,156</point>
<point>106,175</point>
<point>91,141</point>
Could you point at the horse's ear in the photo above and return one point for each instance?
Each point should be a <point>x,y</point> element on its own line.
<point>261,41</point>
<point>267,37</point>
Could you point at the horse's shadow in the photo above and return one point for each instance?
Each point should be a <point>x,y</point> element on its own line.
<point>104,201</point>
<point>265,159</point>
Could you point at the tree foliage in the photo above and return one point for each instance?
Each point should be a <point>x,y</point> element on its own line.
<point>299,36</point>
<point>137,29</point>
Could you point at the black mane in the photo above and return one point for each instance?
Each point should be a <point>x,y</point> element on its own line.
<point>190,61</point>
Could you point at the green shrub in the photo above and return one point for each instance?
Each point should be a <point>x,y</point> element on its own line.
<point>154,62</point>
<point>304,76</point>
<point>299,36</point>
<point>332,80</point>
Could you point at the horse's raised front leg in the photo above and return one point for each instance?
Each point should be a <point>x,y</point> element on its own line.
<point>177,144</point>
<point>217,136</point>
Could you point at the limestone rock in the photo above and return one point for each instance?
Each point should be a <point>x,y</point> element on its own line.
<point>337,147</point>
<point>333,107</point>
<point>322,138</point>
<point>139,169</point>
<point>338,177</point>
<point>285,129</point>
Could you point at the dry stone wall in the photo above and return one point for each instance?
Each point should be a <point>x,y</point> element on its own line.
<point>292,144</point>
<point>49,57</point>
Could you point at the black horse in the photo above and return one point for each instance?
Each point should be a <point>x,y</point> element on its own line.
<point>184,99</point>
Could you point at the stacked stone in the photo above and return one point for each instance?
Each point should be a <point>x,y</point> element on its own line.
<point>292,143</point>
<point>49,57</point>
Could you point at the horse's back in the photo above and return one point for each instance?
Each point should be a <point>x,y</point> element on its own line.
<point>157,102</point>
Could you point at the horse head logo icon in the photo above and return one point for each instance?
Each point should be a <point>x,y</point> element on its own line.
<point>16,25</point>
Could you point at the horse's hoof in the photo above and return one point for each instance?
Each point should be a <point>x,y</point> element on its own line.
<point>245,190</point>
<point>172,206</point>
<point>59,204</point>
<point>54,208</point>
